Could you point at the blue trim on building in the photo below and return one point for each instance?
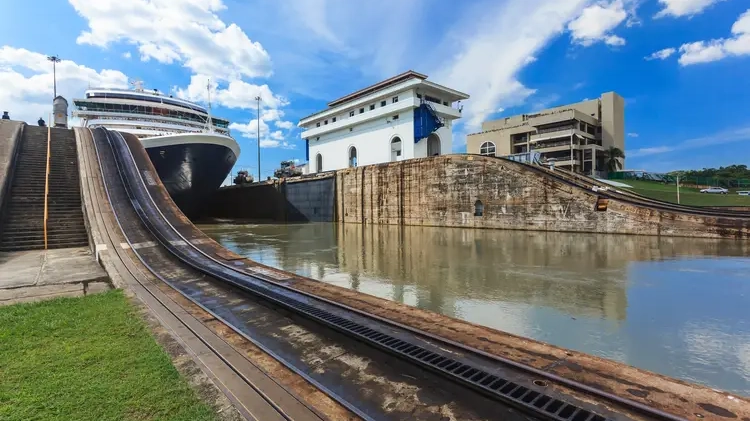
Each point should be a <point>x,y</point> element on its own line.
<point>307,150</point>
<point>426,121</point>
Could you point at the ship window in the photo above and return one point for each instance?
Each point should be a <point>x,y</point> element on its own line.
<point>382,103</point>
<point>351,113</point>
<point>372,107</point>
<point>325,122</point>
<point>394,99</point>
<point>361,110</point>
<point>333,120</point>
<point>317,124</point>
<point>487,148</point>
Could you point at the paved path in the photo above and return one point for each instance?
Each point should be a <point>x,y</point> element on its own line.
<point>42,274</point>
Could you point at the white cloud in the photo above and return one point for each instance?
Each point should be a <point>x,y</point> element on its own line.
<point>661,54</point>
<point>235,94</point>
<point>596,23</point>
<point>680,8</point>
<point>126,55</point>
<point>185,31</point>
<point>727,136</point>
<point>717,49</point>
<point>614,41</point>
<point>27,80</point>
<point>632,134</point>
<point>286,125</point>
<point>268,138</point>
<point>519,30</point>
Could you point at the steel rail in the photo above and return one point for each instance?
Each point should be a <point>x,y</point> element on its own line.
<point>664,206</point>
<point>255,342</point>
<point>46,184</point>
<point>588,182</point>
<point>627,403</point>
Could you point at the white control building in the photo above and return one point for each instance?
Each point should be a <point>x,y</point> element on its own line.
<point>403,117</point>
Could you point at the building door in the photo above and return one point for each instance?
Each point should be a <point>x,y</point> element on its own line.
<point>433,145</point>
<point>396,153</point>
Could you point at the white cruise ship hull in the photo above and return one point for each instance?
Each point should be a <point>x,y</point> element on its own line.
<point>192,165</point>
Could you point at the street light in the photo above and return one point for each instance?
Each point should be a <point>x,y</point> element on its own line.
<point>257,98</point>
<point>54,60</point>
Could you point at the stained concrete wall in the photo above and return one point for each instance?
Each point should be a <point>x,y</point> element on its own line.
<point>302,200</point>
<point>442,191</point>
<point>310,200</point>
<point>10,136</point>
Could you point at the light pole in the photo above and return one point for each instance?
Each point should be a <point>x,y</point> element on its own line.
<point>257,98</point>
<point>54,60</point>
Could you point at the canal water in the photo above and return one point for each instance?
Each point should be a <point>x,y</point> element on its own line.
<point>676,306</point>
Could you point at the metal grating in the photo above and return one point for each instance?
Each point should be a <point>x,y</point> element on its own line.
<point>492,385</point>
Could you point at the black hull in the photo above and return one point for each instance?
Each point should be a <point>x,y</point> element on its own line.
<point>191,172</point>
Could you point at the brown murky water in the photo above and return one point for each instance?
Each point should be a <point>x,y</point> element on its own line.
<point>677,306</point>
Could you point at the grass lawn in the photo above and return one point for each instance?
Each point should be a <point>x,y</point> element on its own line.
<point>90,358</point>
<point>688,195</point>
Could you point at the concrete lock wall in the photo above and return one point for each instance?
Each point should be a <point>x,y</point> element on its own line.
<point>302,200</point>
<point>310,200</point>
<point>447,190</point>
<point>10,136</point>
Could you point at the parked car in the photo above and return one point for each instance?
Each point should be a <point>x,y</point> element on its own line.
<point>717,190</point>
<point>744,193</point>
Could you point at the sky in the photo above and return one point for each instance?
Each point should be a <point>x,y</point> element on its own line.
<point>681,65</point>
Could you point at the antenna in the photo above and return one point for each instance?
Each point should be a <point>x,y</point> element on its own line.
<point>208,121</point>
<point>137,84</point>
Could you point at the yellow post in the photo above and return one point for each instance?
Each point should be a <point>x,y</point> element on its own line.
<point>46,177</point>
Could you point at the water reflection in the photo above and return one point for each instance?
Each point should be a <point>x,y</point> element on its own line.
<point>656,303</point>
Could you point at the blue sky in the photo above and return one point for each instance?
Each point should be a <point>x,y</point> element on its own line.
<point>681,65</point>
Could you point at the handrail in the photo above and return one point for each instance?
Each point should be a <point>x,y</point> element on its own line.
<point>46,183</point>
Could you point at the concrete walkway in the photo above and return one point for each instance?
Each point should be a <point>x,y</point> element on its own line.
<point>43,274</point>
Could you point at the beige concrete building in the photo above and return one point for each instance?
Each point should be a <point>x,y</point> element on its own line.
<point>575,135</point>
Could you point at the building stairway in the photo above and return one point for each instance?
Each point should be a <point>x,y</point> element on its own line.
<point>23,217</point>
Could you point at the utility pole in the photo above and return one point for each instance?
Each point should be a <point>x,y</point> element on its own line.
<point>678,189</point>
<point>54,60</point>
<point>257,98</point>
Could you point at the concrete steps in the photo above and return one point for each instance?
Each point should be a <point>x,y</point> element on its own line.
<point>23,220</point>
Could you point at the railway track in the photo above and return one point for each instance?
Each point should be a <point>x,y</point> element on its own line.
<point>471,383</point>
<point>587,183</point>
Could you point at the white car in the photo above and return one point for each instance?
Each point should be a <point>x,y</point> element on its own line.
<point>718,190</point>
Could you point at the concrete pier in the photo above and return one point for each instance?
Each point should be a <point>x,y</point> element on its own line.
<point>43,274</point>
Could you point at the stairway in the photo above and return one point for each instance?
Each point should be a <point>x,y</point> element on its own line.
<point>23,218</point>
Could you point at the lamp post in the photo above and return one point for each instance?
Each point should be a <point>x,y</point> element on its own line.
<point>54,60</point>
<point>257,98</point>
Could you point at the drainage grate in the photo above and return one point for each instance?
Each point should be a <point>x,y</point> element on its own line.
<point>502,389</point>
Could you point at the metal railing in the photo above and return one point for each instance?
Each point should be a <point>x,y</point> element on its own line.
<point>46,180</point>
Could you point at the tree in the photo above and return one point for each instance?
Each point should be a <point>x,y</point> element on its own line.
<point>613,157</point>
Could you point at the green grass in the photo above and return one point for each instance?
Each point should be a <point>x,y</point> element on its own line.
<point>688,195</point>
<point>90,358</point>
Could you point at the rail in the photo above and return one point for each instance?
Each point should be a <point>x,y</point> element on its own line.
<point>641,202</point>
<point>467,371</point>
<point>46,182</point>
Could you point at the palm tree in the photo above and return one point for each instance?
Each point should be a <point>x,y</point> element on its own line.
<point>614,157</point>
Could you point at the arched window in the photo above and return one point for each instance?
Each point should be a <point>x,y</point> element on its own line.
<point>478,208</point>
<point>352,157</point>
<point>487,148</point>
<point>396,149</point>
<point>433,145</point>
<point>318,163</point>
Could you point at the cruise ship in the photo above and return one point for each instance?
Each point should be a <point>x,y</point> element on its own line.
<point>192,151</point>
